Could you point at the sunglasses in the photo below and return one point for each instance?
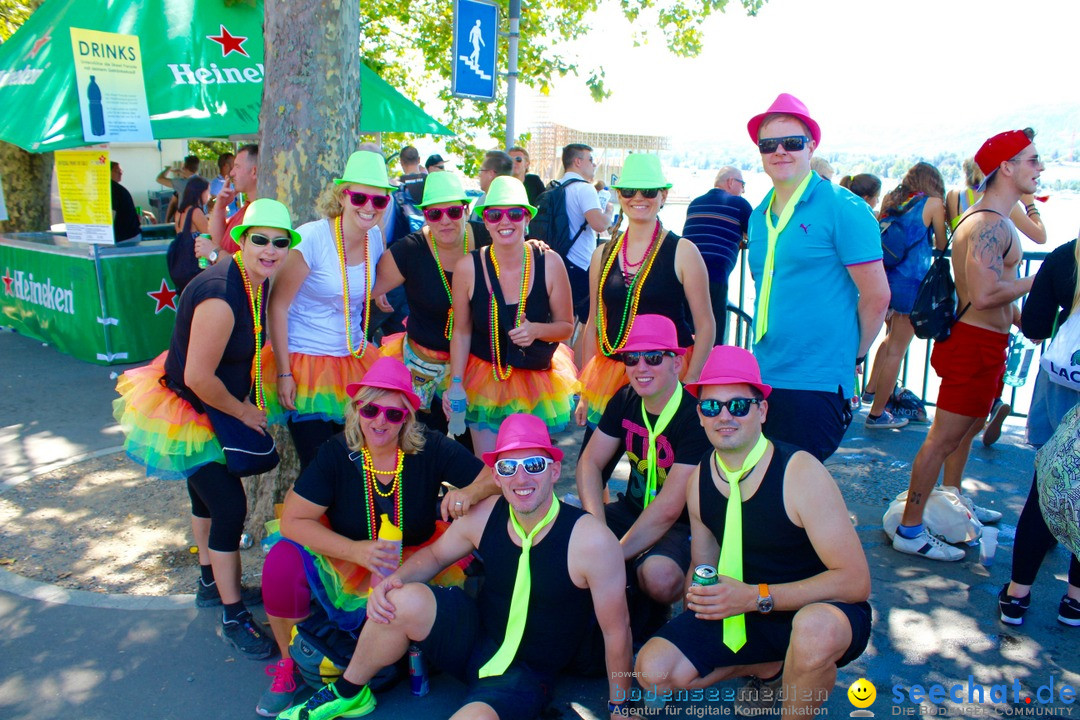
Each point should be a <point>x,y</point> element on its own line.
<point>647,194</point>
<point>393,415</point>
<point>519,159</point>
<point>791,143</point>
<point>435,214</point>
<point>652,357</point>
<point>281,243</point>
<point>533,465</point>
<point>738,407</point>
<point>494,215</point>
<point>359,199</point>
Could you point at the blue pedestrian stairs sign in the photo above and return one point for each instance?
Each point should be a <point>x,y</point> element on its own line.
<point>476,34</point>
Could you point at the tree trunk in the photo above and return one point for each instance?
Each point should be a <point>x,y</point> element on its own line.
<point>307,129</point>
<point>27,179</point>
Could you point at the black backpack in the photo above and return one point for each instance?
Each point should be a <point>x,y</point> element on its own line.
<point>321,651</point>
<point>551,223</point>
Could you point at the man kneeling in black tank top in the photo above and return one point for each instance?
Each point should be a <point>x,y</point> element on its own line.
<point>789,602</point>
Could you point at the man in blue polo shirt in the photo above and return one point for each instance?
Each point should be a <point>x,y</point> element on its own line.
<point>815,254</point>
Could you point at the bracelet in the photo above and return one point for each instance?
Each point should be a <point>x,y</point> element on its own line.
<point>455,379</point>
<point>617,708</point>
<point>1030,207</point>
<point>285,375</point>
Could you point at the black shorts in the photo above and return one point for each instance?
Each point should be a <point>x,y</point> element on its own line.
<point>674,544</point>
<point>812,420</point>
<point>579,290</point>
<point>767,638</point>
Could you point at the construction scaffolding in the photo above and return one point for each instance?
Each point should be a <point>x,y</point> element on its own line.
<point>547,140</point>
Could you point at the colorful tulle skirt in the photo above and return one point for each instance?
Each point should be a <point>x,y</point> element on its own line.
<point>430,369</point>
<point>162,431</point>
<point>320,384</point>
<point>602,377</point>
<point>547,394</point>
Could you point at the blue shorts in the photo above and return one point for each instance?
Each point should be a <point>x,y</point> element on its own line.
<point>903,292</point>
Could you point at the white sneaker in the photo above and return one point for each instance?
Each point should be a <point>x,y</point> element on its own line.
<point>927,546</point>
<point>984,515</point>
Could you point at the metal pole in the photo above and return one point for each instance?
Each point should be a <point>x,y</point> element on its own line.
<point>512,72</point>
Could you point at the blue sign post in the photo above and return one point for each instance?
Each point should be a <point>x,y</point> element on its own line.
<point>476,34</point>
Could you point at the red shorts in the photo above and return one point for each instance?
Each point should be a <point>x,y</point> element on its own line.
<point>971,365</point>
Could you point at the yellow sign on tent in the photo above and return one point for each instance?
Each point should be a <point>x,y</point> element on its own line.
<point>85,194</point>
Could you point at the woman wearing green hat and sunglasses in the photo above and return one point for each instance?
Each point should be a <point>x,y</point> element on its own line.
<point>320,306</point>
<point>210,370</point>
<point>512,311</point>
<point>645,270</point>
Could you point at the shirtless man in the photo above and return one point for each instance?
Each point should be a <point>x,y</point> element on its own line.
<point>971,363</point>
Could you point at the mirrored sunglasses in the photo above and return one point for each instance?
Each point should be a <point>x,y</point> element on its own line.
<point>631,192</point>
<point>738,407</point>
<point>392,414</point>
<point>435,214</point>
<point>359,199</point>
<point>494,215</point>
<point>533,465</point>
<point>791,143</point>
<point>281,243</point>
<point>652,357</point>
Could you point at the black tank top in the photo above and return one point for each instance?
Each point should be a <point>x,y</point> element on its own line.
<point>222,281</point>
<point>560,613</point>
<point>775,550</point>
<point>662,293</point>
<point>537,309</point>
<point>428,303</point>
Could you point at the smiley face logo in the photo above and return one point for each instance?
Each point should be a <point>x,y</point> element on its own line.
<point>862,693</point>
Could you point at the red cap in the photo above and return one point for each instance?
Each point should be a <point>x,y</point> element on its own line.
<point>387,373</point>
<point>519,432</point>
<point>1003,146</point>
<point>730,365</point>
<point>652,332</point>
<point>788,105</point>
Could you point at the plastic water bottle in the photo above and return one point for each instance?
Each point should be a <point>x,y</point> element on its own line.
<point>389,532</point>
<point>458,403</point>
<point>1021,352</point>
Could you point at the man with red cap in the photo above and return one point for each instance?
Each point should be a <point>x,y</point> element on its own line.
<point>814,250</point>
<point>552,601</point>
<point>652,421</point>
<point>789,605</point>
<point>971,362</point>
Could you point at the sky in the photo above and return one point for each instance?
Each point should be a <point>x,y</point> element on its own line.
<point>878,76</point>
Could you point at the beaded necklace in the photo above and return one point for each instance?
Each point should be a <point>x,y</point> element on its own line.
<point>497,370</point>
<point>448,331</point>
<point>633,293</point>
<point>255,299</point>
<point>339,239</point>
<point>371,484</point>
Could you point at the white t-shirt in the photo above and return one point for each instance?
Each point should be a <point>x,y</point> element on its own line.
<point>317,313</point>
<point>580,198</point>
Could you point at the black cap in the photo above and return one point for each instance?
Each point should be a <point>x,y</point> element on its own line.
<point>433,160</point>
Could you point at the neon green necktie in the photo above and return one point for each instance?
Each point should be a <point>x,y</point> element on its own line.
<point>761,324</point>
<point>731,552</point>
<point>519,601</point>
<point>651,458</point>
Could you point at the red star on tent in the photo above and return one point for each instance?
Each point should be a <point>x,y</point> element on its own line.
<point>39,43</point>
<point>8,280</point>
<point>229,42</point>
<point>164,297</point>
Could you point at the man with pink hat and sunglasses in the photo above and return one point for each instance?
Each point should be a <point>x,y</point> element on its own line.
<point>815,253</point>
<point>552,601</point>
<point>652,421</point>
<point>788,606</point>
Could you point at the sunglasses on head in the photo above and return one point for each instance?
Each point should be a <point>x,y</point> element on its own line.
<point>652,357</point>
<point>738,407</point>
<point>393,415</point>
<point>494,215</point>
<point>791,143</point>
<point>281,243</point>
<point>435,214</point>
<point>533,465</point>
<point>647,194</point>
<point>359,199</point>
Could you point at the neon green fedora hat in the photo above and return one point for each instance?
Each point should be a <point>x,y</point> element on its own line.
<point>443,187</point>
<point>505,191</point>
<point>265,212</point>
<point>642,171</point>
<point>365,168</point>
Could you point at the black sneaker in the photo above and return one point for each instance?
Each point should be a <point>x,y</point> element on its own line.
<point>247,637</point>
<point>1069,612</point>
<point>1013,608</point>
<point>208,595</point>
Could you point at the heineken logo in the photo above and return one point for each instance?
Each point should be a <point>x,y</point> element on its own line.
<point>183,74</point>
<point>229,43</point>
<point>23,287</point>
<point>26,76</point>
<point>164,297</point>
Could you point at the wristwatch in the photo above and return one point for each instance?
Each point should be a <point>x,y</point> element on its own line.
<point>213,256</point>
<point>764,601</point>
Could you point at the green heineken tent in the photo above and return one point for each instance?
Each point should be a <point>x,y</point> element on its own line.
<point>202,67</point>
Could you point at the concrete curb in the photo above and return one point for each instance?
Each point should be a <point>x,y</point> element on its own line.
<point>23,477</point>
<point>34,590</point>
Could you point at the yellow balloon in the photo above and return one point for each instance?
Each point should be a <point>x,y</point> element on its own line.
<point>862,693</point>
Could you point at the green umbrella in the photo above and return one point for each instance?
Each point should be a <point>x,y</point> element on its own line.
<point>202,67</point>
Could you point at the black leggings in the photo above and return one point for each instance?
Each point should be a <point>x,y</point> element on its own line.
<point>309,435</point>
<point>219,496</point>
<point>1033,541</point>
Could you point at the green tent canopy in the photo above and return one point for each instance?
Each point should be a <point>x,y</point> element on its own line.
<point>202,67</point>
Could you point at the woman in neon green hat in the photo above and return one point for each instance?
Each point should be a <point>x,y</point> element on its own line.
<point>209,367</point>
<point>424,262</point>
<point>512,312</point>
<point>645,270</point>
<point>319,311</point>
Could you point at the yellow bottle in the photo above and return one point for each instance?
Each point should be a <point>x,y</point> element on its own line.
<point>389,532</point>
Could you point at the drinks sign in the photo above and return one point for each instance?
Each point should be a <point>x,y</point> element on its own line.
<point>112,94</point>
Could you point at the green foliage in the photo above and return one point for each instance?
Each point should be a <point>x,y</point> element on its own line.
<point>208,151</point>
<point>13,14</point>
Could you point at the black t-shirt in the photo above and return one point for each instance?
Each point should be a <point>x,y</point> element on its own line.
<point>683,440</point>
<point>428,303</point>
<point>1051,294</point>
<point>533,187</point>
<point>334,482</point>
<point>126,223</point>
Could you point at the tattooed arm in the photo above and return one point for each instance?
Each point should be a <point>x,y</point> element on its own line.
<point>989,286</point>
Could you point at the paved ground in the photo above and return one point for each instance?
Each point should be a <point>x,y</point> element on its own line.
<point>67,654</point>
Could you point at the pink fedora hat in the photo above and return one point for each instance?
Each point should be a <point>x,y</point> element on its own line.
<point>652,332</point>
<point>788,105</point>
<point>519,432</point>
<point>730,365</point>
<point>387,374</point>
